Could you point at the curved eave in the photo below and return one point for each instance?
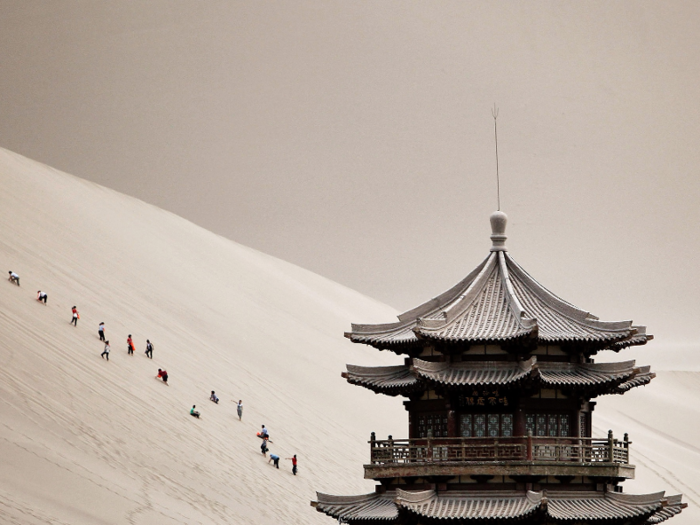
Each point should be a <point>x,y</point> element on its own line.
<point>506,506</point>
<point>365,508</point>
<point>672,507</point>
<point>388,380</point>
<point>592,379</point>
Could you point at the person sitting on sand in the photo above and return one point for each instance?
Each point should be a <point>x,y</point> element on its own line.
<point>213,397</point>
<point>193,412</point>
<point>13,278</point>
<point>41,296</point>
<point>276,459</point>
<point>105,352</point>
<point>162,374</point>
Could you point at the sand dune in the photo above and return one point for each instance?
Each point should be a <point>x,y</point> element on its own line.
<point>83,440</point>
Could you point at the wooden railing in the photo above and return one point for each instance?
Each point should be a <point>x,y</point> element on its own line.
<point>526,448</point>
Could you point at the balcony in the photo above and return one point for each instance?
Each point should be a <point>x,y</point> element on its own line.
<point>501,456</point>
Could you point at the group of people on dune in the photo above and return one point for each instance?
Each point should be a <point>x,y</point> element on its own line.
<point>264,434</point>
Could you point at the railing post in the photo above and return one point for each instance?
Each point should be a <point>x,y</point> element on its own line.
<point>372,444</point>
<point>611,447</point>
<point>627,448</point>
<point>529,445</point>
<point>391,449</point>
<point>429,452</point>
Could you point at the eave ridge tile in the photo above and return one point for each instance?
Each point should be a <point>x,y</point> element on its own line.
<point>463,301</point>
<point>560,305</point>
<point>444,298</point>
<point>611,368</point>
<point>637,499</point>
<point>375,371</point>
<point>331,499</point>
<point>414,496</point>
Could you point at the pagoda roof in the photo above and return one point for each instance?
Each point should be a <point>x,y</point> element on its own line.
<point>468,506</point>
<point>405,379</point>
<point>498,302</point>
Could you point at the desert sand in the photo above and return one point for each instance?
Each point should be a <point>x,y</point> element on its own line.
<point>83,440</point>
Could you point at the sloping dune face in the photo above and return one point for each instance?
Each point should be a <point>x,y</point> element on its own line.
<point>85,440</point>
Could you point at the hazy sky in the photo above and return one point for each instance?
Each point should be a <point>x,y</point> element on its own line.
<point>356,139</point>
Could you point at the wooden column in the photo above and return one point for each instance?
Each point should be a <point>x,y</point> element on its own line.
<point>452,430</point>
<point>519,422</point>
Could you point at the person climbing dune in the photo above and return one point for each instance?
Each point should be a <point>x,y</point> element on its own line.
<point>213,397</point>
<point>41,296</point>
<point>13,278</point>
<point>101,331</point>
<point>149,349</point>
<point>129,345</point>
<point>105,352</point>
<point>75,317</point>
<point>162,374</point>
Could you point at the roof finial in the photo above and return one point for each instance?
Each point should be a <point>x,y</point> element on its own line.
<point>494,112</point>
<point>498,231</point>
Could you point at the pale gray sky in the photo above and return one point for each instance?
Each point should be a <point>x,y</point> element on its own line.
<point>355,138</point>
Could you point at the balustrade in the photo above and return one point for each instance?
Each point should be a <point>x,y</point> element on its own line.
<point>501,449</point>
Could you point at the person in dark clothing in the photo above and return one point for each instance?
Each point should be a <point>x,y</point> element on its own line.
<point>276,459</point>
<point>101,331</point>
<point>149,349</point>
<point>263,447</point>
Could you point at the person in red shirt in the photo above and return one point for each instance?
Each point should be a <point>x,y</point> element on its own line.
<point>76,316</point>
<point>130,345</point>
<point>294,464</point>
<point>164,375</point>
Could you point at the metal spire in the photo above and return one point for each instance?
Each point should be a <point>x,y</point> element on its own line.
<point>494,112</point>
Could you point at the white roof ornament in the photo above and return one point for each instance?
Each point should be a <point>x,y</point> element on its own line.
<point>498,231</point>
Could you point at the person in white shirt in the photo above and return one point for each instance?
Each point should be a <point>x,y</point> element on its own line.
<point>41,296</point>
<point>106,351</point>
<point>14,278</point>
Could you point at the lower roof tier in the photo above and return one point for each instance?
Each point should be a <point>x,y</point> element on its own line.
<point>401,507</point>
<point>592,378</point>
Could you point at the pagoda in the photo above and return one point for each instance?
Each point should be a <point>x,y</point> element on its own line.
<point>499,380</point>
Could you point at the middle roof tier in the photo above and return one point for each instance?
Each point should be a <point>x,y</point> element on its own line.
<point>591,379</point>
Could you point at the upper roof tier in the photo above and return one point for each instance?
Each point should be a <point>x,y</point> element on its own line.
<point>499,302</point>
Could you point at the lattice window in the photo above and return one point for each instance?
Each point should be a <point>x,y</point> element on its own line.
<point>465,425</point>
<point>435,422</point>
<point>479,425</point>
<point>564,427</point>
<point>541,425</point>
<point>530,424</point>
<point>548,425</point>
<point>486,425</point>
<point>506,425</point>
